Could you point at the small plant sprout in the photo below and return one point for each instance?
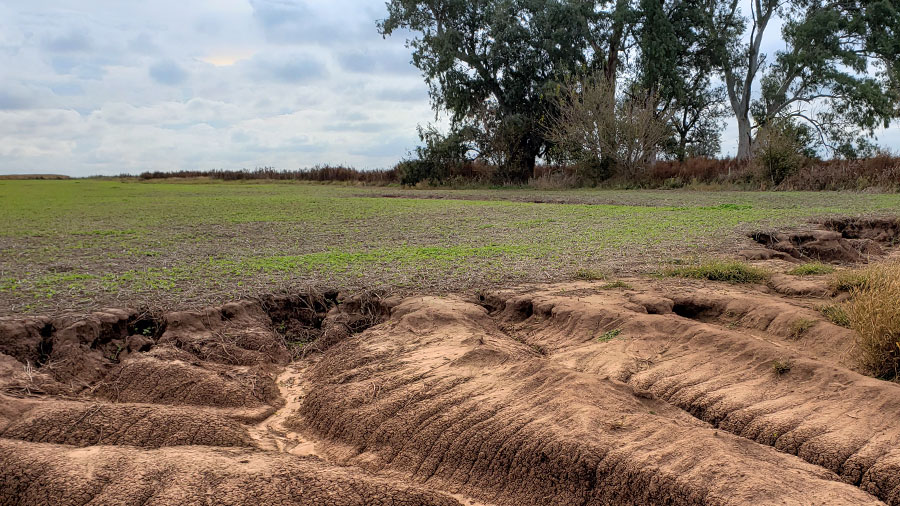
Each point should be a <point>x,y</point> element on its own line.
<point>800,326</point>
<point>781,367</point>
<point>609,335</point>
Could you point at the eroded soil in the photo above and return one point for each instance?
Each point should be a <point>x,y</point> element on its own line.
<point>655,392</point>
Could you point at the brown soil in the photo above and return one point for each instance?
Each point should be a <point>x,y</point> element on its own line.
<point>846,240</point>
<point>663,392</point>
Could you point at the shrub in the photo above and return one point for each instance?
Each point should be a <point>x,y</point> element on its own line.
<point>811,269</point>
<point>609,336</point>
<point>721,270</point>
<point>783,148</point>
<point>440,157</point>
<point>874,313</point>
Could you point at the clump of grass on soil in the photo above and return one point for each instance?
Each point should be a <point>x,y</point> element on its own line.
<point>730,271</point>
<point>848,281</point>
<point>609,335</point>
<point>615,284</point>
<point>800,326</point>
<point>589,275</point>
<point>811,269</point>
<point>836,313</point>
<point>874,313</point>
<point>780,367</point>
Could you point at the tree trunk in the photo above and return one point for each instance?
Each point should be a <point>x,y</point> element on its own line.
<point>745,138</point>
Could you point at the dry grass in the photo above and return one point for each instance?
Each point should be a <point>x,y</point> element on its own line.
<point>850,280</point>
<point>874,313</point>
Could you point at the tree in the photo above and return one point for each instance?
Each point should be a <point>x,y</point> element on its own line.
<point>604,130</point>
<point>496,55</point>
<point>838,74</point>
<point>674,62</point>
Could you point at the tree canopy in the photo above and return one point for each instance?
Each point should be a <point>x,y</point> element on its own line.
<point>498,68</point>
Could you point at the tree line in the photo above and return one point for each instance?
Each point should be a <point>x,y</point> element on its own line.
<point>612,85</point>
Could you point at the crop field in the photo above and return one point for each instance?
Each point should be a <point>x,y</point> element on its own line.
<point>82,243</point>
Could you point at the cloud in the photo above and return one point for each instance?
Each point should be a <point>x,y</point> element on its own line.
<point>380,60</point>
<point>168,72</point>
<point>290,22</point>
<point>72,42</point>
<point>293,67</point>
<point>14,98</point>
<point>410,94</point>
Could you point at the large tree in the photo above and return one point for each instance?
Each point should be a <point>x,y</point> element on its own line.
<point>674,63</point>
<point>837,75</point>
<point>496,56</point>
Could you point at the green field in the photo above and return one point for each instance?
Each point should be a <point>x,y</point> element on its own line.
<point>92,243</point>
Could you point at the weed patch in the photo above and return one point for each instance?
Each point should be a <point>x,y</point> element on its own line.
<point>836,314</point>
<point>589,275</point>
<point>609,335</point>
<point>721,270</point>
<point>849,280</point>
<point>781,367</point>
<point>800,326</point>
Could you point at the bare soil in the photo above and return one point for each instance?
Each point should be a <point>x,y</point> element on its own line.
<point>661,391</point>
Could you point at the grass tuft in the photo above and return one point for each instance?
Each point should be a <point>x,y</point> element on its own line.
<point>811,269</point>
<point>849,280</point>
<point>874,313</point>
<point>730,271</point>
<point>609,335</point>
<point>800,326</point>
<point>836,313</point>
<point>589,275</point>
<point>781,367</point>
<point>615,284</point>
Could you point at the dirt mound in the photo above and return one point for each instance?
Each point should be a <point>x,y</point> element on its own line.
<point>147,379</point>
<point>34,473</point>
<point>849,240</point>
<point>819,245</point>
<point>883,230</point>
<point>22,379</point>
<point>444,396</point>
<point>239,333</point>
<point>148,426</point>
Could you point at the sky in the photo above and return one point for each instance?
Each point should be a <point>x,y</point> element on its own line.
<point>113,86</point>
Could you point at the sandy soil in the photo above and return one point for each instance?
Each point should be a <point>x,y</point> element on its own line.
<point>662,391</point>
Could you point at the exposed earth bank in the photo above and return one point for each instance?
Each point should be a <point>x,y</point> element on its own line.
<point>650,392</point>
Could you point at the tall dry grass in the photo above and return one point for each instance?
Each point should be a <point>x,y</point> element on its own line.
<point>874,313</point>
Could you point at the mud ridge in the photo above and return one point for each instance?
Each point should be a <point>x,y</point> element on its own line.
<point>723,374</point>
<point>660,393</point>
<point>442,396</point>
